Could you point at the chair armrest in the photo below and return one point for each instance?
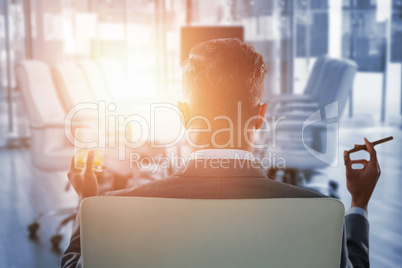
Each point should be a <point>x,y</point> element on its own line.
<point>290,97</point>
<point>294,116</point>
<point>74,124</point>
<point>51,125</point>
<point>312,106</point>
<point>294,124</point>
<point>291,116</point>
<point>275,100</point>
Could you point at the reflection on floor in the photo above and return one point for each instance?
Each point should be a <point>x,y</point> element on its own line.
<point>24,192</point>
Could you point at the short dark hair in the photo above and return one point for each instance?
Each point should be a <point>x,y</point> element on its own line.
<point>224,70</point>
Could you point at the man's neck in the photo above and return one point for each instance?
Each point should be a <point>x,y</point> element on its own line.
<point>248,149</point>
<point>221,138</point>
<point>203,142</point>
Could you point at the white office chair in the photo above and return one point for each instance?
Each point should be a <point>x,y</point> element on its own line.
<point>334,84</point>
<point>331,80</point>
<point>115,79</point>
<point>311,91</point>
<point>50,150</point>
<point>103,77</point>
<point>95,80</point>
<point>308,147</point>
<point>73,90</point>
<point>158,232</point>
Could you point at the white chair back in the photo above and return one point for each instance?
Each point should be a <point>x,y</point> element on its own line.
<point>49,148</point>
<point>345,83</point>
<point>39,93</point>
<point>173,233</point>
<point>294,141</point>
<point>96,81</point>
<point>311,86</point>
<point>336,81</point>
<point>72,85</point>
<point>115,78</point>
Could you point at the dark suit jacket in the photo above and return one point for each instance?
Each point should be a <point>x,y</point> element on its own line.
<point>241,179</point>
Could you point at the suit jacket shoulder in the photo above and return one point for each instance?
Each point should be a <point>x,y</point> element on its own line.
<point>204,182</point>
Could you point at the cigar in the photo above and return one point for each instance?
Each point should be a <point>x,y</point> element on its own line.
<point>363,147</point>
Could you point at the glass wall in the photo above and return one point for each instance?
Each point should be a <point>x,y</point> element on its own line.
<point>366,32</point>
<point>12,50</point>
<point>291,34</point>
<point>154,46</point>
<point>144,36</point>
<point>266,26</point>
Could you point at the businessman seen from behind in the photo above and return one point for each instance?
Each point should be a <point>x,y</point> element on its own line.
<point>223,79</point>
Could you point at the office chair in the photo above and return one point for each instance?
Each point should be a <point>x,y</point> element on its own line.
<point>307,147</point>
<point>330,80</point>
<point>115,79</point>
<point>163,232</point>
<point>49,148</point>
<point>73,89</point>
<point>95,80</point>
<point>311,90</point>
<point>102,81</point>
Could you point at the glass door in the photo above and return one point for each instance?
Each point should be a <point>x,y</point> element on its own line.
<point>13,124</point>
<point>367,32</point>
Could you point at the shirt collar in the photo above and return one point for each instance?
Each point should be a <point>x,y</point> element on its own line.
<point>222,153</point>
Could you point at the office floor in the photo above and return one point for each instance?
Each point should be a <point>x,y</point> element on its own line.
<point>25,191</point>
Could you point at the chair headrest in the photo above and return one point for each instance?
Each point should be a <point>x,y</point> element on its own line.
<point>39,93</point>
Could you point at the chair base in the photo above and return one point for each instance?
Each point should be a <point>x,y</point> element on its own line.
<point>58,236</point>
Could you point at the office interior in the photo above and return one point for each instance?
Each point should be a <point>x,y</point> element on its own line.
<point>135,48</point>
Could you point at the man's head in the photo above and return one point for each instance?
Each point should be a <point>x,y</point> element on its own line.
<point>218,75</point>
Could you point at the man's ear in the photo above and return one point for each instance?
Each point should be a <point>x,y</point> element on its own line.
<point>262,108</point>
<point>183,110</point>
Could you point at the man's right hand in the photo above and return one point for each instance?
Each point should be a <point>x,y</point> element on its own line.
<point>84,182</point>
<point>361,182</point>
